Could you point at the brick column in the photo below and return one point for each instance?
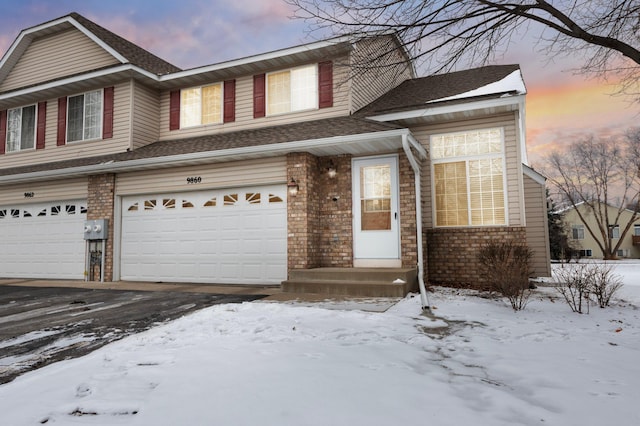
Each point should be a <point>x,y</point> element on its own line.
<point>302,212</point>
<point>100,205</point>
<point>408,224</point>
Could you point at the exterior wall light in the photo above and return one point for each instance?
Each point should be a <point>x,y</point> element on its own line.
<point>332,170</point>
<point>293,187</point>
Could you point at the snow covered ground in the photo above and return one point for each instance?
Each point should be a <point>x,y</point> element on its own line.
<point>479,363</point>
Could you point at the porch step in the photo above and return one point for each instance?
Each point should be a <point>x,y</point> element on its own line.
<point>364,282</point>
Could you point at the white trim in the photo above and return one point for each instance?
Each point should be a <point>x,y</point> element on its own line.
<point>466,158</point>
<point>76,79</point>
<point>377,263</point>
<point>277,148</point>
<point>530,172</point>
<point>449,109</point>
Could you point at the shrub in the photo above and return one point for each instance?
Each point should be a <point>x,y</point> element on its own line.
<point>574,285</point>
<point>583,282</point>
<point>506,267</point>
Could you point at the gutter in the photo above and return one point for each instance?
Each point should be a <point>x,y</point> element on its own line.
<point>131,165</point>
<point>408,141</point>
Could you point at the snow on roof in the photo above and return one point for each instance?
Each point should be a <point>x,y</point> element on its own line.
<point>509,84</point>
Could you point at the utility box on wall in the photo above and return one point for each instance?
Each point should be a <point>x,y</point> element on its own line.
<point>96,229</point>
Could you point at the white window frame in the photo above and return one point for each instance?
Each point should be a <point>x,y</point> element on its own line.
<point>197,108</point>
<point>85,130</point>
<point>614,232</point>
<point>576,232</point>
<point>18,132</point>
<point>311,99</point>
<point>466,159</point>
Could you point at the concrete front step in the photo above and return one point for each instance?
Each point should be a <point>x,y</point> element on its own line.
<point>366,282</point>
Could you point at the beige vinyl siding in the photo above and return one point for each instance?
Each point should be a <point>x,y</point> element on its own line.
<point>58,55</point>
<point>374,78</point>
<point>508,123</point>
<point>119,143</point>
<point>537,226</point>
<point>244,108</point>
<point>145,115</point>
<point>67,189</point>
<point>220,175</point>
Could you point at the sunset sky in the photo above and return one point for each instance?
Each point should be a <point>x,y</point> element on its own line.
<point>561,107</point>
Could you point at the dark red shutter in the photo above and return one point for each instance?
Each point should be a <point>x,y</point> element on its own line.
<point>325,84</point>
<point>3,131</point>
<point>174,110</point>
<point>229,114</point>
<point>62,121</point>
<point>259,97</point>
<point>107,113</point>
<point>41,127</point>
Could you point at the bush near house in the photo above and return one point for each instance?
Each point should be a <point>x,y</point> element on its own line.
<point>506,267</point>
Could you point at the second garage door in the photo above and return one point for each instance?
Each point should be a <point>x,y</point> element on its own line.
<point>232,236</point>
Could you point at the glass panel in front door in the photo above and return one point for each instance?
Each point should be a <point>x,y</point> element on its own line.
<point>375,198</point>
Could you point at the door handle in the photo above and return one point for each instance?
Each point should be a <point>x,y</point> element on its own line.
<point>395,215</point>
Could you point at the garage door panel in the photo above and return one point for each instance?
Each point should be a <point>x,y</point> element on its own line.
<point>43,240</point>
<point>227,236</point>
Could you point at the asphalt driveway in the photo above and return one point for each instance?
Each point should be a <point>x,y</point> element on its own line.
<point>42,325</point>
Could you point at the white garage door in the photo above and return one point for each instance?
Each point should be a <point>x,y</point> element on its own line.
<point>43,240</point>
<point>223,236</point>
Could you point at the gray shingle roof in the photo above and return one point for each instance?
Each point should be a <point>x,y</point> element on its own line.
<point>307,130</point>
<point>415,93</point>
<point>132,52</point>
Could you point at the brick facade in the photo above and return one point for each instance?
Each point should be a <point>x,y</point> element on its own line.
<point>408,224</point>
<point>100,205</point>
<point>320,216</point>
<point>453,252</point>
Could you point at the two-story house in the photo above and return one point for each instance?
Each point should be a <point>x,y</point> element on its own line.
<point>248,171</point>
<point>582,217</point>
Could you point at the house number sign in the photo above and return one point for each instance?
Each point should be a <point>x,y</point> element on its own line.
<point>29,194</point>
<point>194,179</point>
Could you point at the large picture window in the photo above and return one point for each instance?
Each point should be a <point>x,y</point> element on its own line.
<point>292,90</point>
<point>201,105</point>
<point>21,128</point>
<point>84,116</point>
<point>468,177</point>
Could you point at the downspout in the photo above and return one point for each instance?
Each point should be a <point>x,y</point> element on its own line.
<point>407,142</point>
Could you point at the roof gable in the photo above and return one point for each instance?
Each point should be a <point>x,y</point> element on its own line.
<point>111,45</point>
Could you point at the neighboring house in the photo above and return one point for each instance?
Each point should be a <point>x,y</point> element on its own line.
<point>248,171</point>
<point>586,246</point>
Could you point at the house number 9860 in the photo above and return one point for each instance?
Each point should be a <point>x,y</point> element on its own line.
<point>194,179</point>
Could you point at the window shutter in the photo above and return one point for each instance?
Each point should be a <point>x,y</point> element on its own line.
<point>42,125</point>
<point>259,97</point>
<point>62,121</point>
<point>325,84</point>
<point>174,110</point>
<point>229,114</point>
<point>107,113</point>
<point>3,131</point>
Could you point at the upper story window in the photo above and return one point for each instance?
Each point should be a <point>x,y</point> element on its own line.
<point>578,232</point>
<point>614,231</point>
<point>468,178</point>
<point>21,128</point>
<point>292,90</point>
<point>201,105</point>
<point>84,116</point>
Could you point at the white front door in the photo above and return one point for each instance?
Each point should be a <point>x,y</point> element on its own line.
<point>376,235</point>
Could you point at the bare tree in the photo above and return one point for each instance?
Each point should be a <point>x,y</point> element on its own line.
<point>597,173</point>
<point>603,33</point>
